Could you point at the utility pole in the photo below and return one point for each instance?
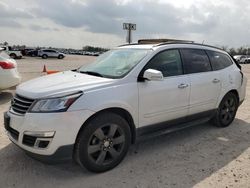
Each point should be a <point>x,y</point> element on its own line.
<point>129,27</point>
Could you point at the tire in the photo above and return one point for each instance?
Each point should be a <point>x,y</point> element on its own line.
<point>103,143</point>
<point>13,56</point>
<point>226,111</point>
<point>60,56</point>
<point>44,56</point>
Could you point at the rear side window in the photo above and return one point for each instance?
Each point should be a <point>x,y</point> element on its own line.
<point>195,61</point>
<point>219,60</point>
<point>168,62</point>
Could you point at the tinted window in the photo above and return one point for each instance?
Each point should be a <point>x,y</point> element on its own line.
<point>168,62</point>
<point>219,60</point>
<point>195,61</point>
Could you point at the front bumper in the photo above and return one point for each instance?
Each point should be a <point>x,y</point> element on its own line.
<point>33,133</point>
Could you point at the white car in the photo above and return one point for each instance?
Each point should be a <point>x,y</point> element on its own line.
<point>9,75</point>
<point>93,114</point>
<point>244,59</point>
<point>14,54</point>
<point>45,53</point>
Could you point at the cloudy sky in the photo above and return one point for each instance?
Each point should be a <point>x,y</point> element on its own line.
<point>76,23</point>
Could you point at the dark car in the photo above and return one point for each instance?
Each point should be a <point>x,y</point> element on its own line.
<point>32,53</point>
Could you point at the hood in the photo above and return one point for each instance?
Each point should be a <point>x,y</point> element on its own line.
<point>60,83</point>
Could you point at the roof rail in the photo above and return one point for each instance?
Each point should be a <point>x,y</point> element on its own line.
<point>160,42</point>
<point>128,44</point>
<point>175,42</point>
<point>188,42</point>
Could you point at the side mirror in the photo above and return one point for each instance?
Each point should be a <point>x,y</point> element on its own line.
<point>153,75</point>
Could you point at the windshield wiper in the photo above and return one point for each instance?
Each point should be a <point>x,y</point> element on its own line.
<point>92,73</point>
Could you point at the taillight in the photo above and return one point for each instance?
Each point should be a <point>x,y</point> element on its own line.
<point>6,65</point>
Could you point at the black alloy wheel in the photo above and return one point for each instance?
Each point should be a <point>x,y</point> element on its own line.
<point>106,144</point>
<point>103,142</point>
<point>227,111</point>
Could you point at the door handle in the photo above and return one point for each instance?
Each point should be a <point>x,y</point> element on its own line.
<point>182,86</point>
<point>216,80</point>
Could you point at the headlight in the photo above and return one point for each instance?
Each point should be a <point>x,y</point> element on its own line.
<point>58,104</point>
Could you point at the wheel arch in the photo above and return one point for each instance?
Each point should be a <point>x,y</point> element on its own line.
<point>119,111</point>
<point>235,92</point>
<point>12,54</point>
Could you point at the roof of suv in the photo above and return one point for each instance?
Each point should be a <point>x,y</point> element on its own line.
<point>172,44</point>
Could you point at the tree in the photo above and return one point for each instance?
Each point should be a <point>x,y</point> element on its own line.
<point>232,51</point>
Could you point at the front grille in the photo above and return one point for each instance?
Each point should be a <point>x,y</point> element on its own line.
<point>20,104</point>
<point>14,133</point>
<point>29,140</point>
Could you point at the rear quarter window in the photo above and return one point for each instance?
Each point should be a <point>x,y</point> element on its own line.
<point>219,60</point>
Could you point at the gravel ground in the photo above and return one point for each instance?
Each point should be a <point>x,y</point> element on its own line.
<point>201,156</point>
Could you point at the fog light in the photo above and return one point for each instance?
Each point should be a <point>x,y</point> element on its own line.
<point>43,144</point>
<point>46,134</point>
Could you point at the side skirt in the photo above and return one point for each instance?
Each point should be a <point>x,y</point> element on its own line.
<point>174,125</point>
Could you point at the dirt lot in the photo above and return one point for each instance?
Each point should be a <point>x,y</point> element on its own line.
<point>201,156</point>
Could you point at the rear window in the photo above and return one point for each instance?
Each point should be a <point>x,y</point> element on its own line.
<point>219,60</point>
<point>195,61</point>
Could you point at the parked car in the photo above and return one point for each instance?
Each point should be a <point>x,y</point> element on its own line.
<point>45,53</point>
<point>32,53</point>
<point>9,75</point>
<point>244,59</point>
<point>238,57</point>
<point>25,51</point>
<point>14,54</point>
<point>94,113</point>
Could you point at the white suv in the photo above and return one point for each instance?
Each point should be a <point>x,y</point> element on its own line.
<point>93,114</point>
<point>45,53</point>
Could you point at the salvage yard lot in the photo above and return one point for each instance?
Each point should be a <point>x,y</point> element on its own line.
<point>201,156</point>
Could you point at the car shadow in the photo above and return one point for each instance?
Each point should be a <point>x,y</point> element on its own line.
<point>5,97</point>
<point>179,159</point>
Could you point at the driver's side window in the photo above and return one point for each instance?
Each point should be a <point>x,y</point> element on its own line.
<point>168,62</point>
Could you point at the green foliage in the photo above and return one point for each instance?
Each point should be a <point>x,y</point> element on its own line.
<point>239,51</point>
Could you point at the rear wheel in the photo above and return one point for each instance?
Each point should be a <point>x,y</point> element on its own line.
<point>227,111</point>
<point>103,143</point>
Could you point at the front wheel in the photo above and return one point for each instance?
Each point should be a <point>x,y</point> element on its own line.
<point>13,56</point>
<point>44,56</point>
<point>60,56</point>
<point>103,142</point>
<point>226,111</point>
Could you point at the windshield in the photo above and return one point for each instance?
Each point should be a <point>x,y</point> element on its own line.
<point>115,63</point>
